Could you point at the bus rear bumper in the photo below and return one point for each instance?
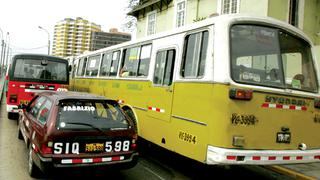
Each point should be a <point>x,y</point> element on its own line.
<point>12,108</point>
<point>216,155</point>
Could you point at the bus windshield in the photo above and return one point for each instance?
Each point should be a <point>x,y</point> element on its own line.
<point>40,70</point>
<point>271,57</point>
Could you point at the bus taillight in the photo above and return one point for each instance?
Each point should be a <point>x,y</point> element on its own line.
<point>241,94</point>
<point>13,98</point>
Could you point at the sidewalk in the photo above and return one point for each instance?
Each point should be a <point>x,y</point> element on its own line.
<point>298,171</point>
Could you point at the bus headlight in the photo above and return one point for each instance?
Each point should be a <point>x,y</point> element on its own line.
<point>238,141</point>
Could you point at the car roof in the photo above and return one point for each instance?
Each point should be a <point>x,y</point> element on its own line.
<point>63,95</point>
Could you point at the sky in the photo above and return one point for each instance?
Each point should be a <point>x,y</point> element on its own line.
<point>21,19</point>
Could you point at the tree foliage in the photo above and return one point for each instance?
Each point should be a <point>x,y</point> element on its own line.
<point>131,21</point>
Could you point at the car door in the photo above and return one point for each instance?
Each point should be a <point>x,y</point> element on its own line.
<point>30,124</point>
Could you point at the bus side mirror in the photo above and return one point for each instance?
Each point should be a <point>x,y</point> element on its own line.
<point>44,62</point>
<point>70,68</point>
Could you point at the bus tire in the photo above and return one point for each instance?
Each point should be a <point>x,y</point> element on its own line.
<point>11,115</point>
<point>130,113</point>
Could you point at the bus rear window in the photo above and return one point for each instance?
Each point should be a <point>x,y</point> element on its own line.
<point>271,57</point>
<point>34,69</point>
<point>90,114</point>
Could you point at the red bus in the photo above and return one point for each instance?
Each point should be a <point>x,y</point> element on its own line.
<point>32,73</point>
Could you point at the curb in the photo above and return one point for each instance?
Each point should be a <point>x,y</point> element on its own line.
<point>2,83</point>
<point>289,172</point>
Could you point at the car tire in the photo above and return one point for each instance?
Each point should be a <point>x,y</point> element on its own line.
<point>33,170</point>
<point>20,134</point>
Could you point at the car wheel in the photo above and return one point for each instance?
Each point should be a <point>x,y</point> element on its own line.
<point>20,134</point>
<point>32,168</point>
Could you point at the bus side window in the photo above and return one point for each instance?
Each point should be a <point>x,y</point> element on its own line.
<point>105,65</point>
<point>194,55</point>
<point>81,66</point>
<point>130,62</point>
<point>136,61</point>
<point>163,72</point>
<point>114,63</point>
<point>93,65</point>
<point>144,60</point>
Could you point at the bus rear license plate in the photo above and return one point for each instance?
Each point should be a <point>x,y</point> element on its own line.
<point>94,147</point>
<point>283,137</point>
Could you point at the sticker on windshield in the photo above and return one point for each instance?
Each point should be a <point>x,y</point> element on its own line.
<point>251,76</point>
<point>79,108</point>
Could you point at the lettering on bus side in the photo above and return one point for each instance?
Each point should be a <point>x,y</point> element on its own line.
<point>102,83</point>
<point>115,85</point>
<point>243,119</point>
<point>286,101</point>
<point>134,87</point>
<point>187,137</point>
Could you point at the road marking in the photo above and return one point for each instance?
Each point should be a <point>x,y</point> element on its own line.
<point>154,173</point>
<point>290,173</point>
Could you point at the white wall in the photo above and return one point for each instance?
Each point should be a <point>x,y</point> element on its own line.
<point>317,53</point>
<point>254,7</point>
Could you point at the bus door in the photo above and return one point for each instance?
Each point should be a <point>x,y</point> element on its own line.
<point>161,92</point>
<point>74,63</point>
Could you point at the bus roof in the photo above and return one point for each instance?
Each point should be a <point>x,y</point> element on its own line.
<point>221,19</point>
<point>37,56</point>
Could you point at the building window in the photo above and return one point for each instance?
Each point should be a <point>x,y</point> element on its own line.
<point>230,6</point>
<point>296,8</point>
<point>151,23</point>
<point>181,13</point>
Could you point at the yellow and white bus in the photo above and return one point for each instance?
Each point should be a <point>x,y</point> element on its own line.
<point>232,89</point>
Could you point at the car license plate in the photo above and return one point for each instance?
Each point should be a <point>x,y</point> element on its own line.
<point>94,147</point>
<point>283,137</point>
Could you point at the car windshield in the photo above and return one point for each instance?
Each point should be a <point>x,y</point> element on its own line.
<point>90,114</point>
<point>271,57</point>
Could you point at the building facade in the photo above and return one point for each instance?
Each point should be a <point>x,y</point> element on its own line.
<point>154,16</point>
<point>72,36</point>
<point>101,40</point>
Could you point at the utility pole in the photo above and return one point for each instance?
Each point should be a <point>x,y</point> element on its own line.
<point>2,44</point>
<point>48,38</point>
<point>8,47</point>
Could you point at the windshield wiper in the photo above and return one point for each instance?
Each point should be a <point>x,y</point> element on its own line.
<point>86,124</point>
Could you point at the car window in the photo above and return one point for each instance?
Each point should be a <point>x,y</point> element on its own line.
<point>88,114</point>
<point>44,112</point>
<point>35,106</point>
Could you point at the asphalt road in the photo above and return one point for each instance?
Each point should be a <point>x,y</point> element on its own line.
<point>154,164</point>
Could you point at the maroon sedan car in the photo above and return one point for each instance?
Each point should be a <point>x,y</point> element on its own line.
<point>72,129</point>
